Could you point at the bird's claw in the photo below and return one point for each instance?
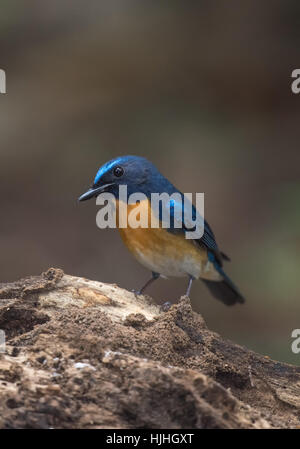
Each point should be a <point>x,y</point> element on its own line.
<point>165,306</point>
<point>136,292</point>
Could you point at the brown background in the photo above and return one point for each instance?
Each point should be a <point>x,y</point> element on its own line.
<point>200,88</point>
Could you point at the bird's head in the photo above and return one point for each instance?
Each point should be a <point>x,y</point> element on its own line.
<point>137,173</point>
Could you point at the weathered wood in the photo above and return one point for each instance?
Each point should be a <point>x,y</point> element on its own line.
<point>82,353</point>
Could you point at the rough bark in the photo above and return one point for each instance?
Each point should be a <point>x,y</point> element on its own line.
<point>84,354</point>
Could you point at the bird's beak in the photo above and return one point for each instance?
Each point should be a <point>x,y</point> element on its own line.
<point>92,192</point>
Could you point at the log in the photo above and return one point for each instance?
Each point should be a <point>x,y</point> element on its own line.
<point>85,354</point>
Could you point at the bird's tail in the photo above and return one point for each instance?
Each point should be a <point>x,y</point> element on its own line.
<point>224,290</point>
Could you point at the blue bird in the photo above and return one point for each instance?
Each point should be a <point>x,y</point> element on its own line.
<point>166,252</point>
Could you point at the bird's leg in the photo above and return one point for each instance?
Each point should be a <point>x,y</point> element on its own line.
<point>188,290</point>
<point>153,278</point>
<point>166,306</point>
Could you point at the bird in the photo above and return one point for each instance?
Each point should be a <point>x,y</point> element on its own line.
<point>165,251</point>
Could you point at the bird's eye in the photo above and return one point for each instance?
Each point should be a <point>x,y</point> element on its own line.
<point>118,171</point>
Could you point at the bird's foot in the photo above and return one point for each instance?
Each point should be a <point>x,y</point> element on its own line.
<point>165,306</point>
<point>136,292</point>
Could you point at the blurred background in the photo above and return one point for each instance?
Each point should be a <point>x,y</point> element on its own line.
<point>202,89</point>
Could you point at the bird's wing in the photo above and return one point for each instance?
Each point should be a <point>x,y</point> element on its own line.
<point>180,223</point>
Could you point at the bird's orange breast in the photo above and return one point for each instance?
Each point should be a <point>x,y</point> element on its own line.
<point>161,251</point>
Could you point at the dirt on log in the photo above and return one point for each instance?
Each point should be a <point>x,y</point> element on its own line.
<point>84,354</point>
